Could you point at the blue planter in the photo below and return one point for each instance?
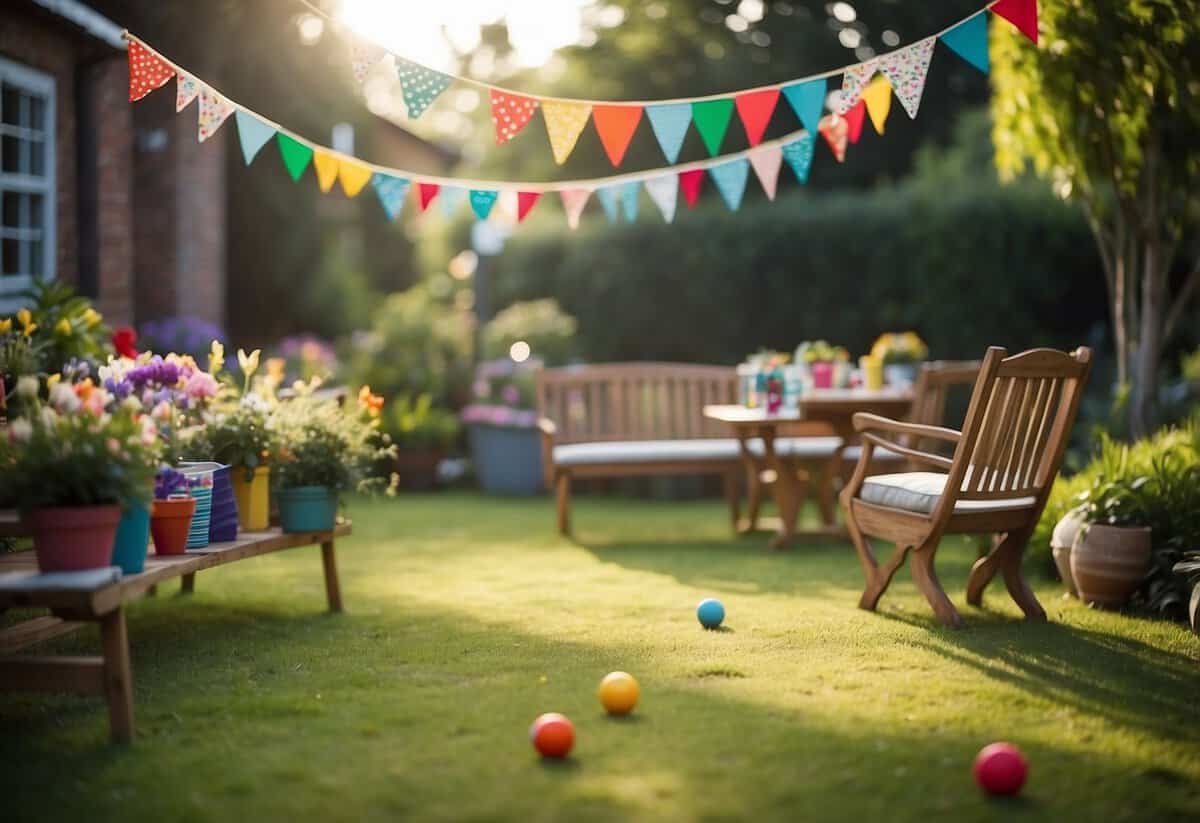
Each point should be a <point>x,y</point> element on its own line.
<point>307,509</point>
<point>508,459</point>
<point>132,539</point>
<point>223,516</point>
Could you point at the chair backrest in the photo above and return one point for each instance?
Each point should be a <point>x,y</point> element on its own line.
<point>935,382</point>
<point>634,401</point>
<point>1017,425</point>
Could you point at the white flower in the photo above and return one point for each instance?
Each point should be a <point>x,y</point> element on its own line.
<point>27,387</point>
<point>63,398</point>
<point>21,430</point>
<point>132,404</point>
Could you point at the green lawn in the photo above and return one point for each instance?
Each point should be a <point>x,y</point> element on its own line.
<point>467,617</point>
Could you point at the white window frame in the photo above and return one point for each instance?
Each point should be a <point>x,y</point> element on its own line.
<point>39,84</point>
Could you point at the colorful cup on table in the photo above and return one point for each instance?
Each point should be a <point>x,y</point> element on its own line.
<point>872,372</point>
<point>822,374</point>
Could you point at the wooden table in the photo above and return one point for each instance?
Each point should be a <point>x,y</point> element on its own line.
<point>110,674</point>
<point>833,407</point>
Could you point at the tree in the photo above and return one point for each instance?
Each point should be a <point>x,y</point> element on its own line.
<point>1107,107</point>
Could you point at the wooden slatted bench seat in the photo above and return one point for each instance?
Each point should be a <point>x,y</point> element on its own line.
<point>103,602</point>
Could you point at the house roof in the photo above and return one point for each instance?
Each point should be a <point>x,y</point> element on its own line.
<point>88,19</point>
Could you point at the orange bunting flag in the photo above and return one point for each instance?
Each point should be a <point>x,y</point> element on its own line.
<point>353,176</point>
<point>616,125</point>
<point>327,169</point>
<point>525,202</point>
<point>1021,13</point>
<point>854,120</point>
<point>835,130</point>
<point>510,114</point>
<point>755,108</point>
<point>426,192</point>
<point>147,71</point>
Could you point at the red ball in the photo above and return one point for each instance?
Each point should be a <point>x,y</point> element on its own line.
<point>552,735</point>
<point>1000,768</point>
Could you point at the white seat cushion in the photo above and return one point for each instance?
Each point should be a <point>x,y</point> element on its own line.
<point>646,451</point>
<point>800,447</point>
<point>920,492</point>
<point>851,454</point>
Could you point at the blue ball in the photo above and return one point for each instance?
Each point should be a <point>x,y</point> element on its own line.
<point>711,613</point>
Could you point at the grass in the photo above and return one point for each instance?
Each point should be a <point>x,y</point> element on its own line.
<point>467,616</point>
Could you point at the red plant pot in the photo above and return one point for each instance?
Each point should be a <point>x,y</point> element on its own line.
<point>170,521</point>
<point>73,538</point>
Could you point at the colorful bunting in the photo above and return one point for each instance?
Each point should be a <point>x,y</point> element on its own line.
<point>854,117</point>
<point>482,202</point>
<point>755,108</point>
<point>1021,13</point>
<point>808,101</point>
<point>607,196</point>
<point>253,134</point>
<point>354,176</point>
<point>186,89</point>
<point>147,71</point>
<point>214,111</point>
<point>799,155</point>
<point>730,179</point>
<point>296,156</point>
<point>510,114</point>
<point>451,198</point>
<point>525,202</point>
<point>426,192</point>
<point>391,191</point>
<point>877,97</point>
<point>420,86</point>
<point>690,182</point>
<point>629,199</point>
<point>363,56</point>
<point>906,70</point>
<point>835,130</point>
<point>326,166</point>
<point>564,123</point>
<point>573,201</point>
<point>766,163</point>
<point>664,191</point>
<point>853,81</point>
<point>616,125</point>
<point>712,119</point>
<point>670,124</point>
<point>969,40</point>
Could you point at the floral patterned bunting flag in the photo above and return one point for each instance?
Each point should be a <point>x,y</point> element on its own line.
<point>186,89</point>
<point>906,70</point>
<point>214,111</point>
<point>835,130</point>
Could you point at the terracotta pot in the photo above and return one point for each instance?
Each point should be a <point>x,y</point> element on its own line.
<point>1061,542</point>
<point>418,468</point>
<point>1108,562</point>
<point>73,538</point>
<point>170,521</point>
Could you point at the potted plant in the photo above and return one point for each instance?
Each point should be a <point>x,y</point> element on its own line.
<point>70,465</point>
<point>900,353</point>
<point>1112,549</point>
<point>822,360</point>
<point>174,507</point>
<point>324,450</point>
<point>502,428</point>
<point>1061,541</point>
<point>423,435</point>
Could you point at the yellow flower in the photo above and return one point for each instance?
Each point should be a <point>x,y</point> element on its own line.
<point>52,380</point>
<point>6,325</point>
<point>92,318</point>
<point>249,362</point>
<point>63,327</point>
<point>275,367</point>
<point>25,318</point>
<point>216,357</point>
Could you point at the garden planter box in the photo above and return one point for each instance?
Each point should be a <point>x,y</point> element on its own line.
<point>507,459</point>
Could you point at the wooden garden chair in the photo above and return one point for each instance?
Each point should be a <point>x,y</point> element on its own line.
<point>1005,460</point>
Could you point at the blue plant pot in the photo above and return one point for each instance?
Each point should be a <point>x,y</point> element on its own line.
<point>508,459</point>
<point>307,509</point>
<point>132,540</point>
<point>223,515</point>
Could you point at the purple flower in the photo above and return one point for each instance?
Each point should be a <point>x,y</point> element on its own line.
<point>118,389</point>
<point>169,481</point>
<point>511,395</point>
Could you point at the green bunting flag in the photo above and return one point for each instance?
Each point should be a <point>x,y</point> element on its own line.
<point>712,120</point>
<point>296,155</point>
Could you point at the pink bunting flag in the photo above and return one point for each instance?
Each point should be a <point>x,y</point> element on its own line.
<point>766,163</point>
<point>510,114</point>
<point>573,201</point>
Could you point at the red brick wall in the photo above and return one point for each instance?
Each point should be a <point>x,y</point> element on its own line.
<point>109,81</point>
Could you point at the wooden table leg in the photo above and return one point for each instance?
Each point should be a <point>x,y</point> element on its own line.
<point>187,584</point>
<point>118,675</point>
<point>786,491</point>
<point>332,591</point>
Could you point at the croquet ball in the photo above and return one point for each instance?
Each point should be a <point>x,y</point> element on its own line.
<point>552,735</point>
<point>1000,768</point>
<point>618,693</point>
<point>710,612</point>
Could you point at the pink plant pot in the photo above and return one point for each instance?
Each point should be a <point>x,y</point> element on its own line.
<point>73,538</point>
<point>822,375</point>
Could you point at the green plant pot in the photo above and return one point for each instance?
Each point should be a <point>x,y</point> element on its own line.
<point>307,509</point>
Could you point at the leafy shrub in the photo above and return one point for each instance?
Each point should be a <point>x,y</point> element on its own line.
<point>421,425</point>
<point>549,331</point>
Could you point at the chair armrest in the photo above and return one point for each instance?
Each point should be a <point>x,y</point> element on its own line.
<point>864,421</point>
<point>915,455</point>
<point>548,430</point>
<point>547,427</point>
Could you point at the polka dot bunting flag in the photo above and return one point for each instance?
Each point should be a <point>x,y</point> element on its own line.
<point>147,71</point>
<point>510,114</point>
<point>420,86</point>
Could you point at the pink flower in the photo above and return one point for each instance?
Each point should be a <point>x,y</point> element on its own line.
<point>162,411</point>
<point>112,445</point>
<point>200,386</point>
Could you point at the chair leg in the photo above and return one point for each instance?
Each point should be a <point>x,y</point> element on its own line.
<point>878,578</point>
<point>925,576</point>
<point>562,486</point>
<point>1006,558</point>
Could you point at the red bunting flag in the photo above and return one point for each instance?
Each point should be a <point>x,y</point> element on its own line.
<point>426,193</point>
<point>510,114</point>
<point>689,183</point>
<point>616,125</point>
<point>1021,13</point>
<point>854,120</point>
<point>147,71</point>
<point>755,108</point>
<point>525,202</point>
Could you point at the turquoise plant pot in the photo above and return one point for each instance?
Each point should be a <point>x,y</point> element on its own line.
<point>307,509</point>
<point>132,540</point>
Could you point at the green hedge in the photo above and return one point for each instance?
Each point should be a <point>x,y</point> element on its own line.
<point>976,265</point>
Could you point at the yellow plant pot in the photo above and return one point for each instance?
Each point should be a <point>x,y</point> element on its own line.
<point>253,497</point>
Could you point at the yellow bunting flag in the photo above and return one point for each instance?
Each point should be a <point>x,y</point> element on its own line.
<point>565,120</point>
<point>878,97</point>
<point>354,176</point>
<point>327,169</point>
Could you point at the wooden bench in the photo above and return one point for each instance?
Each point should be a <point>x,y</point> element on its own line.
<point>71,606</point>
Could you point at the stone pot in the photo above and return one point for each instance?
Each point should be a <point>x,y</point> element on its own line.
<point>1061,542</point>
<point>1108,562</point>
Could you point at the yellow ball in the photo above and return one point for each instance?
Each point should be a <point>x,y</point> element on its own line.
<point>618,693</point>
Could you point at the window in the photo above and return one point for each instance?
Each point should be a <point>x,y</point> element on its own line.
<point>27,248</point>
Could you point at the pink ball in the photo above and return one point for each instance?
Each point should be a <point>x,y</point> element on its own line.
<point>1000,768</point>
